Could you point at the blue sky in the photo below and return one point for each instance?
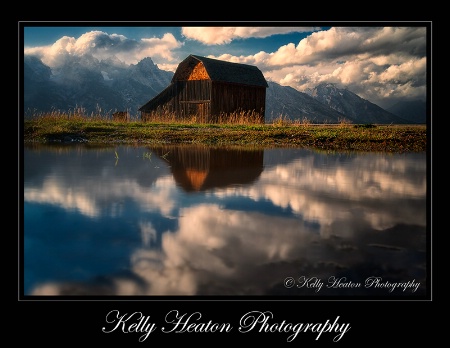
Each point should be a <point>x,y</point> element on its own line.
<point>380,63</point>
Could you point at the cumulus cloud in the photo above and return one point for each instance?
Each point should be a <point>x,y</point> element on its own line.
<point>377,63</point>
<point>224,35</point>
<point>371,62</point>
<point>102,46</point>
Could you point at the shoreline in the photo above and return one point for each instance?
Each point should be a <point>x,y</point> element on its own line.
<point>348,137</point>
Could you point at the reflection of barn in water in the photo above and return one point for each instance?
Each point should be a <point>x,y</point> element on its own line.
<point>198,168</point>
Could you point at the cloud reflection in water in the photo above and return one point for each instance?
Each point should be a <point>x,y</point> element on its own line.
<point>311,214</point>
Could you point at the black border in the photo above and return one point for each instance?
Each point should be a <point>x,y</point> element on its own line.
<point>375,322</point>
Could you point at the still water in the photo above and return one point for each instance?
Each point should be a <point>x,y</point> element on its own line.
<point>200,221</point>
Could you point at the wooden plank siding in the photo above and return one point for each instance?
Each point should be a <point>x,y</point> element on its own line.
<point>230,99</point>
<point>209,91</point>
<point>194,99</point>
<point>185,99</point>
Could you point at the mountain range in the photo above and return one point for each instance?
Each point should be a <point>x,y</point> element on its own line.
<point>103,87</point>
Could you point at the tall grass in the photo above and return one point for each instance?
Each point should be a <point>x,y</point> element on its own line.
<point>164,117</point>
<point>238,117</point>
<point>236,129</point>
<point>76,114</point>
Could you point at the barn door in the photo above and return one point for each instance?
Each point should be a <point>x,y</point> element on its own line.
<point>201,112</point>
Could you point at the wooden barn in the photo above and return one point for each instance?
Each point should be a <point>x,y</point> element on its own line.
<point>211,91</point>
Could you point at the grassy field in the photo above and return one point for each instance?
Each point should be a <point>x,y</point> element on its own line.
<point>280,133</point>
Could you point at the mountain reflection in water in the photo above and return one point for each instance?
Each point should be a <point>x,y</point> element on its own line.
<point>204,221</point>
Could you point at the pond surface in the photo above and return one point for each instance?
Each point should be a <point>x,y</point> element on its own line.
<point>199,221</point>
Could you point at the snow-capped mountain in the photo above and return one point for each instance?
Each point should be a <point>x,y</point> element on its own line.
<point>353,106</point>
<point>294,105</point>
<point>95,86</point>
<point>109,85</point>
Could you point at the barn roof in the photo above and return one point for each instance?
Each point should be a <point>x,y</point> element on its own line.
<point>159,99</point>
<point>219,70</point>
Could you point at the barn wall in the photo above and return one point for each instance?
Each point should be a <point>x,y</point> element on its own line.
<point>193,99</point>
<point>198,73</point>
<point>185,99</point>
<point>191,70</point>
<point>209,101</point>
<point>229,98</point>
